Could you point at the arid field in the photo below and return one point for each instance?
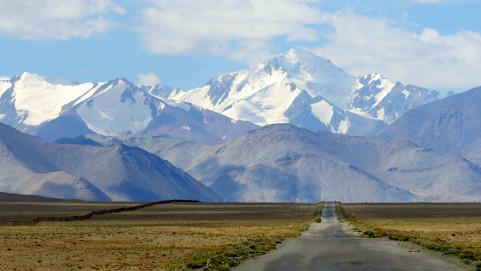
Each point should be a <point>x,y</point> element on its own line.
<point>175,236</point>
<point>452,228</point>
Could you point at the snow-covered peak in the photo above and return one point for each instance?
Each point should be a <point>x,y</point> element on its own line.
<point>30,79</point>
<point>36,100</point>
<point>315,74</point>
<point>34,79</point>
<point>295,59</point>
<point>303,64</point>
<point>295,87</point>
<point>161,91</point>
<point>370,78</point>
<point>380,98</point>
<point>118,108</point>
<point>120,81</point>
<point>32,104</point>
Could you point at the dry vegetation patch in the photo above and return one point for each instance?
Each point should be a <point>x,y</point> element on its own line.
<point>452,228</point>
<point>24,211</point>
<point>164,237</point>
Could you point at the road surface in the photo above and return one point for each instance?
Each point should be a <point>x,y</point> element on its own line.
<point>330,245</point>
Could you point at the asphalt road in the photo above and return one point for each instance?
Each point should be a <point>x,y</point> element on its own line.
<point>330,245</point>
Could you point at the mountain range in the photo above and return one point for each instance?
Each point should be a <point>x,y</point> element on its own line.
<point>380,98</point>
<point>451,125</point>
<point>52,110</point>
<point>297,87</point>
<point>285,163</point>
<point>32,166</point>
<point>325,135</point>
<point>308,91</point>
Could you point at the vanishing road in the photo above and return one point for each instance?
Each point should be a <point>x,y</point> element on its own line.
<point>330,245</point>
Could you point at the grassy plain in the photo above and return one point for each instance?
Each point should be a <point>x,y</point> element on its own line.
<point>452,228</point>
<point>176,236</point>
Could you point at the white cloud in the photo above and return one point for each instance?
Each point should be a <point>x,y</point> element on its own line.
<point>244,30</point>
<point>362,45</point>
<point>148,79</point>
<point>239,29</point>
<point>56,19</point>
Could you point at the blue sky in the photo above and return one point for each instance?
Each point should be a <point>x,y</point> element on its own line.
<point>430,43</point>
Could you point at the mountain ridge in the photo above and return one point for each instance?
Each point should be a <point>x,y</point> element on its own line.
<point>31,165</point>
<point>264,93</point>
<point>296,87</point>
<point>112,108</point>
<point>284,163</point>
<point>448,126</point>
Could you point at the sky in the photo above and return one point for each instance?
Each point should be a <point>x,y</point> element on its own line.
<point>430,43</point>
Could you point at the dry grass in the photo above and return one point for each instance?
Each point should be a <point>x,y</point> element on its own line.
<point>450,228</point>
<point>164,237</point>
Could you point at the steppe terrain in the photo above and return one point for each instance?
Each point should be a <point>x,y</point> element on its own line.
<point>164,237</point>
<point>210,236</point>
<point>451,228</point>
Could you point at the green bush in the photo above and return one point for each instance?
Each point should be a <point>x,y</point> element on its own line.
<point>370,234</point>
<point>196,264</point>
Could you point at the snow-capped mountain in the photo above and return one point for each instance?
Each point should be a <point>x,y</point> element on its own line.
<point>450,125</point>
<point>294,71</point>
<point>380,98</point>
<point>32,104</point>
<point>29,100</point>
<point>29,165</point>
<point>285,163</point>
<point>160,90</point>
<point>320,93</point>
<point>297,87</point>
